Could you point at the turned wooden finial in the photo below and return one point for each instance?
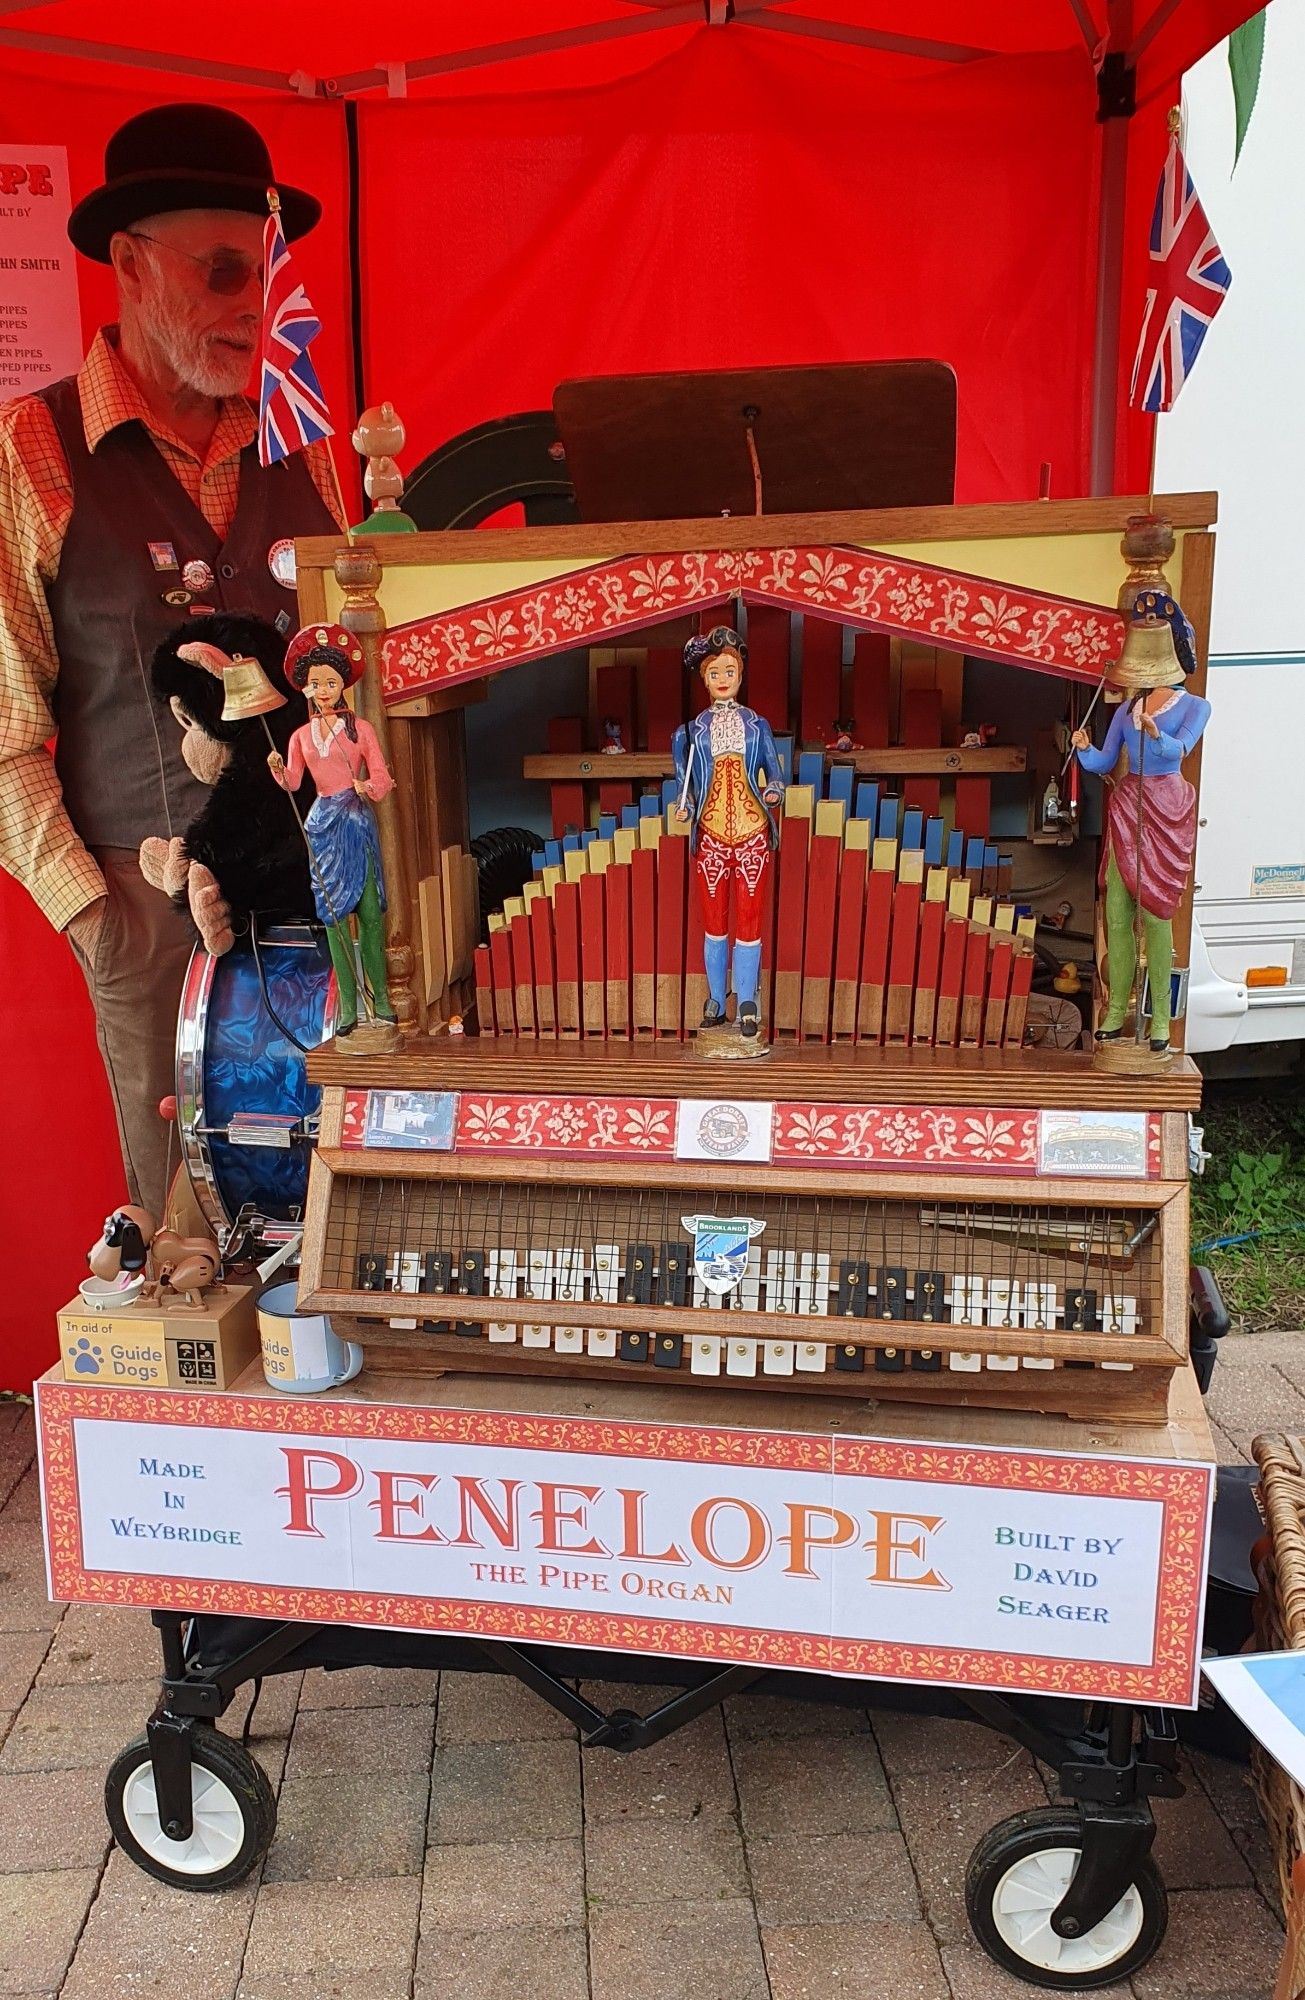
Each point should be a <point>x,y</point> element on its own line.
<point>1147,546</point>
<point>379,435</point>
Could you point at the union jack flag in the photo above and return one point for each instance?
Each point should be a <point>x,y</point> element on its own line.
<point>292,411</point>
<point>1190,283</point>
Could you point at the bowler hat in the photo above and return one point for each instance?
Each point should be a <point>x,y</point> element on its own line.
<point>183,156</point>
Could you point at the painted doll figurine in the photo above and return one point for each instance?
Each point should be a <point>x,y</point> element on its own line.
<point>728,773</point>
<point>1150,830</point>
<point>340,753</point>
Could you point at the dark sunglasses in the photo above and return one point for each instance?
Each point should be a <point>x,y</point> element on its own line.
<point>226,272</point>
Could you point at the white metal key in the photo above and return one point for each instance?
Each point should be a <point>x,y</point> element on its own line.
<point>813,1283</point>
<point>606,1277</point>
<point>781,1281</point>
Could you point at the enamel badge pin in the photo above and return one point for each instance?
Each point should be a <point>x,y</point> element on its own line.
<point>720,1247</point>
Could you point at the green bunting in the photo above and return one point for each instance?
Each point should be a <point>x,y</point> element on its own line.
<point>1245,55</point>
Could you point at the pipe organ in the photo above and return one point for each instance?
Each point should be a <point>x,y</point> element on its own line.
<point>905,1198</point>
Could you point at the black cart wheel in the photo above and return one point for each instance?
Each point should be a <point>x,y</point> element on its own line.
<point>1017,1876</point>
<point>233,1805</point>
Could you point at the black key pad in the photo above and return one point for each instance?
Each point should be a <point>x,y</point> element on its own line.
<point>373,1272</point>
<point>927,1303</point>
<point>1081,1315</point>
<point>852,1294</point>
<point>637,1284</point>
<point>472,1283</point>
<point>890,1292</point>
<point>673,1276</point>
<point>436,1276</point>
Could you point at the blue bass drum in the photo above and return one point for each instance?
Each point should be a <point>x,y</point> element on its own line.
<point>246,1111</point>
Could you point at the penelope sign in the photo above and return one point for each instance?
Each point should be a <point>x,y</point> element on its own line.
<point>960,1565</point>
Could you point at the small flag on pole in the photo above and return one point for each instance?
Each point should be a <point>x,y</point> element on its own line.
<point>292,411</point>
<point>1189,283</point>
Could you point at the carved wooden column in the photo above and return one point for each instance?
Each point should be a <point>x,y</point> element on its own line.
<point>358,573</point>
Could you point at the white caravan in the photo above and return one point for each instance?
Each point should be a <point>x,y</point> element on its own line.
<point>1239,428</point>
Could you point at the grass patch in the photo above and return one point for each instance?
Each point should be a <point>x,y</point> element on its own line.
<point>1255,1181</point>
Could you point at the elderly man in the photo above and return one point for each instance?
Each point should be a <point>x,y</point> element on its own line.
<point>131,497</point>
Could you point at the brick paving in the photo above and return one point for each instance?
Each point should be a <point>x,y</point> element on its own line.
<point>447,1839</point>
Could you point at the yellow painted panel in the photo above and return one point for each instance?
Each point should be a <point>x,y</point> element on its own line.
<point>856,836</point>
<point>829,816</point>
<point>1084,566</point>
<point>408,594</point>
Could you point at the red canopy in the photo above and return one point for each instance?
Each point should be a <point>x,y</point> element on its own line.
<point>551,188</point>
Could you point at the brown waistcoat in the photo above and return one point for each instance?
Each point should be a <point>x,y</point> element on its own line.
<point>118,752</point>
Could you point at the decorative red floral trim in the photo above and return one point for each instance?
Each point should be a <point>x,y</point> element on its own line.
<point>926,1137</point>
<point>855,587</point>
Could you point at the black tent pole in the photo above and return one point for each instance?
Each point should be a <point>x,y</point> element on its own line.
<point>354,226</point>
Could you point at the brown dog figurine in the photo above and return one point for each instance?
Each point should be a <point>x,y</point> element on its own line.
<point>185,1266</point>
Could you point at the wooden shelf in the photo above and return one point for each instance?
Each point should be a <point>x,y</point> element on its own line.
<point>389,1379</point>
<point>841,1072</point>
<point>895,761</point>
<point>890,526</point>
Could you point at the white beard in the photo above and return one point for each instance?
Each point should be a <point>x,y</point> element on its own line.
<point>208,367</point>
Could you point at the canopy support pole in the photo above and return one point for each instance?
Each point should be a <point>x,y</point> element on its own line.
<point>1115,88</point>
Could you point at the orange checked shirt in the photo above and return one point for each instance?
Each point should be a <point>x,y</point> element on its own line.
<point>38,843</point>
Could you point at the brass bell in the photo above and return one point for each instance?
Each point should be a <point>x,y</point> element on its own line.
<point>1149,659</point>
<point>247,691</point>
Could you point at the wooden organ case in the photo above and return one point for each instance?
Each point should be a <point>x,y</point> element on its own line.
<point>942,1206</point>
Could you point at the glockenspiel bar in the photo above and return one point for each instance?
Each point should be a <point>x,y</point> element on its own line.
<point>788,1282</point>
<point>874,1263</point>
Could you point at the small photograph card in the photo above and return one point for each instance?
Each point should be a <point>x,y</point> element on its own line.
<point>415,1121</point>
<point>708,1128</point>
<point>1092,1142</point>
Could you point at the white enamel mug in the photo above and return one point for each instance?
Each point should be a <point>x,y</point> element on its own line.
<point>302,1352</point>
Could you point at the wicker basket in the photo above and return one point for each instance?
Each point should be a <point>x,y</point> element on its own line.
<point>1279,1564</point>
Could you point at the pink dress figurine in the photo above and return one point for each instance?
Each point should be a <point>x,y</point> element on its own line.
<point>341,755</point>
